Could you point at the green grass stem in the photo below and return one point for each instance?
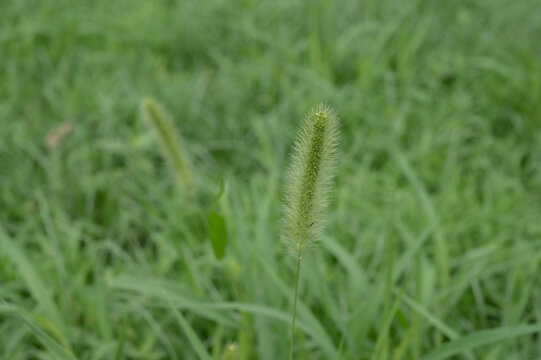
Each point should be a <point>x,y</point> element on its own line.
<point>294,312</point>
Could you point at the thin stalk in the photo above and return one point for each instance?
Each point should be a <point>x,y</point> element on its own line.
<point>292,340</point>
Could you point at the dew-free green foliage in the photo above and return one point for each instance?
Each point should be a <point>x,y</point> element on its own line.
<point>432,238</point>
<point>217,226</point>
<point>217,233</point>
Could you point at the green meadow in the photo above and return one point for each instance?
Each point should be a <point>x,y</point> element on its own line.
<point>116,244</point>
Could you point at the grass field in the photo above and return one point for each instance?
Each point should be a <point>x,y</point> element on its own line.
<point>432,248</point>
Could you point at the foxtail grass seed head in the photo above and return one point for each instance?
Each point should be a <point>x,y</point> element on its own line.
<point>309,177</point>
<point>169,139</point>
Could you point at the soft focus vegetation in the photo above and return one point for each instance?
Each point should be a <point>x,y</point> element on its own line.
<point>431,248</point>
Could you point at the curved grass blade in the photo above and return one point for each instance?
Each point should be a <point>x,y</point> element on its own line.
<point>173,297</point>
<point>478,339</point>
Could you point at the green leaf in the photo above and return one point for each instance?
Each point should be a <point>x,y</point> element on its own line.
<point>217,233</point>
<point>479,338</point>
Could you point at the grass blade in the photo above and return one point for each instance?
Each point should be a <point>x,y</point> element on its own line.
<point>479,338</point>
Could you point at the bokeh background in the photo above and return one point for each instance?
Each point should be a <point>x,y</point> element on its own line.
<point>433,232</point>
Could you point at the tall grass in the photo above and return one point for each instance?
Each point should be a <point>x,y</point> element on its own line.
<point>101,259</point>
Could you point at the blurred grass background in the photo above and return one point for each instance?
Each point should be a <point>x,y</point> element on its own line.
<point>433,232</point>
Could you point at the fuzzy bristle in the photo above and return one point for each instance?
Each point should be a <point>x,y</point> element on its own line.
<point>309,178</point>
